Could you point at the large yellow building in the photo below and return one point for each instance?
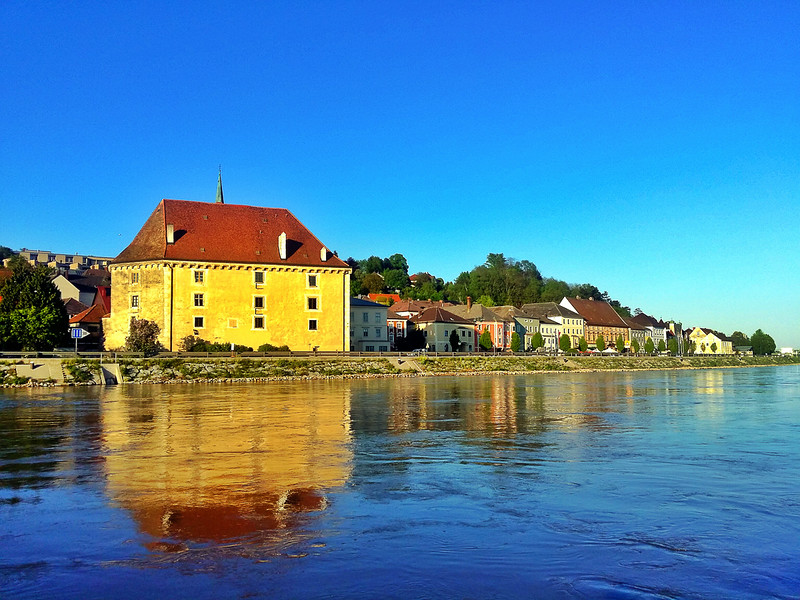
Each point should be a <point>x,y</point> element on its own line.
<point>233,274</point>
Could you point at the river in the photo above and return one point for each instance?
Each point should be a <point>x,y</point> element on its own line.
<point>660,484</point>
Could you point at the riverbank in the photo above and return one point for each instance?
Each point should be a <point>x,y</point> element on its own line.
<point>204,370</point>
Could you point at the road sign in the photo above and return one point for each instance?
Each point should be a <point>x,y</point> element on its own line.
<point>76,333</point>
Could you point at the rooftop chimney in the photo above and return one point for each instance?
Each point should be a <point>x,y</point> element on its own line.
<point>469,302</point>
<point>282,245</point>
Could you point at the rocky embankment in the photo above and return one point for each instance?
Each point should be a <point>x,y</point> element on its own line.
<point>197,370</point>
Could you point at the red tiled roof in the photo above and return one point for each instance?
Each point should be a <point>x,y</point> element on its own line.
<point>436,314</point>
<point>597,312</point>
<point>214,232</point>
<point>93,314</point>
<point>74,306</point>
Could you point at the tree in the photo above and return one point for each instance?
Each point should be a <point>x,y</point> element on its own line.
<point>649,346</point>
<point>620,344</point>
<point>600,343</point>
<point>485,341</point>
<point>714,347</point>
<point>762,343</point>
<point>583,344</point>
<point>635,346</point>
<point>373,282</point>
<point>371,265</point>
<point>673,346</point>
<point>395,279</point>
<point>537,341</point>
<point>455,341</point>
<point>143,337</point>
<point>662,347</point>
<point>516,343</point>
<point>739,339</point>
<point>564,343</point>
<point>5,252</point>
<point>32,314</point>
<point>414,339</point>
<point>691,347</point>
<point>398,261</point>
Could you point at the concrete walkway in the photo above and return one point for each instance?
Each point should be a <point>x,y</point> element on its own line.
<point>42,368</point>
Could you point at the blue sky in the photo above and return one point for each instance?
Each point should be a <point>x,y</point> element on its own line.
<point>651,149</point>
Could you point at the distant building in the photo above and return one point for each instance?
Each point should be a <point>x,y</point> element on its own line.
<point>600,318</point>
<point>64,262</point>
<point>368,329</point>
<point>708,341</point>
<point>437,324</point>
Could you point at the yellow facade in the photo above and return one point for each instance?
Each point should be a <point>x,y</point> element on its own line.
<point>704,340</point>
<point>305,308</point>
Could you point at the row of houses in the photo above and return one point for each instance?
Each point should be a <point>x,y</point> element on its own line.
<point>251,275</point>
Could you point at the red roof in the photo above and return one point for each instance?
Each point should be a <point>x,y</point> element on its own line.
<point>215,232</point>
<point>93,314</point>
<point>436,314</point>
<point>597,313</point>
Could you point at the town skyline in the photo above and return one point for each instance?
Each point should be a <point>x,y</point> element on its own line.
<point>652,151</point>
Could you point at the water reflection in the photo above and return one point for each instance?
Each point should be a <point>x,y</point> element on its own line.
<point>204,466</point>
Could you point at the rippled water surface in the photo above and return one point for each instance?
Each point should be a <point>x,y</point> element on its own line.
<point>615,485</point>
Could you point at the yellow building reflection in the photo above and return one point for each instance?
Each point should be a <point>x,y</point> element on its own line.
<point>225,462</point>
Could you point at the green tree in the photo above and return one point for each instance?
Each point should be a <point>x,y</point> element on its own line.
<point>739,339</point>
<point>583,344</point>
<point>32,314</point>
<point>516,342</point>
<point>662,347</point>
<point>143,337</point>
<point>600,343</point>
<point>485,341</point>
<point>373,282</point>
<point>673,346</point>
<point>714,347</point>
<point>762,343</point>
<point>398,261</point>
<point>455,341</point>
<point>373,264</point>
<point>620,344</point>
<point>537,341</point>
<point>5,252</point>
<point>486,300</point>
<point>635,346</point>
<point>564,343</point>
<point>395,279</point>
<point>649,346</point>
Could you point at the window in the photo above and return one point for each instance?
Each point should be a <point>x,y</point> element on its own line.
<point>377,332</point>
<point>312,324</point>
<point>134,278</point>
<point>445,333</point>
<point>312,303</point>
<point>258,277</point>
<point>312,281</point>
<point>258,322</point>
<point>199,300</point>
<point>135,301</point>
<point>198,322</point>
<point>377,317</point>
<point>365,332</point>
<point>199,276</point>
<point>369,348</point>
<point>365,317</point>
<point>258,302</point>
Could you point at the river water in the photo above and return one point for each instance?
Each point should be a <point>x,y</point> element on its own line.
<point>605,485</point>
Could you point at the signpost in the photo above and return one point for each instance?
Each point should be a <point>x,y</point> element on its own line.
<point>77,333</point>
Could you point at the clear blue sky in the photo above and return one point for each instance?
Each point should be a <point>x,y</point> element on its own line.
<point>649,148</point>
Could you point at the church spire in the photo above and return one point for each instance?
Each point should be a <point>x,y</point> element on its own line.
<point>220,200</point>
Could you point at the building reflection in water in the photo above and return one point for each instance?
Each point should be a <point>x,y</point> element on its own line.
<point>222,463</point>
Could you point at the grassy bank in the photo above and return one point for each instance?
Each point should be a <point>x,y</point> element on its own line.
<point>525,364</point>
<point>186,370</point>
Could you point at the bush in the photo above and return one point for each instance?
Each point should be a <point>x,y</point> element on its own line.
<point>271,348</point>
<point>195,344</point>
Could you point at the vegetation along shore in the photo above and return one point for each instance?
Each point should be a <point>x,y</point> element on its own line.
<point>205,370</point>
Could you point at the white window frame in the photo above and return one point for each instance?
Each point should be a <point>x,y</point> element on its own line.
<point>201,297</point>
<point>263,323</point>
<point>199,276</point>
